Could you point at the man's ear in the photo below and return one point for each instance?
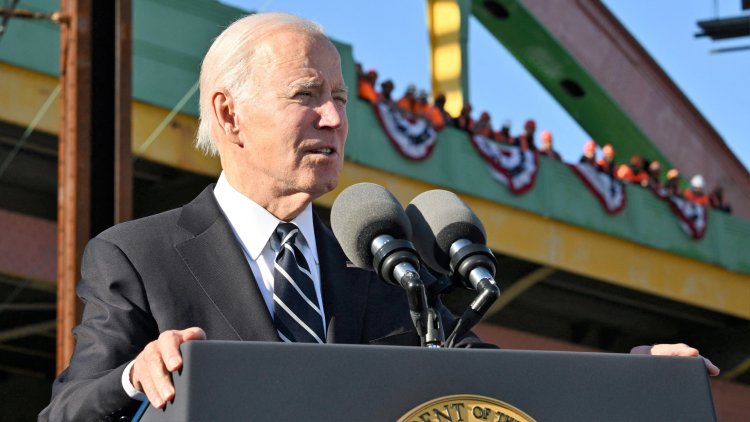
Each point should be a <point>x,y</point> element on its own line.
<point>223,107</point>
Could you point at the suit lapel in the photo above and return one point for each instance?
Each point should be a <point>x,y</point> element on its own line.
<point>215,258</point>
<point>344,289</point>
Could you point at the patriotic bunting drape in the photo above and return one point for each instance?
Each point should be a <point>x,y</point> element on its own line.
<point>609,191</point>
<point>508,164</point>
<point>693,218</point>
<point>517,169</point>
<point>414,139</point>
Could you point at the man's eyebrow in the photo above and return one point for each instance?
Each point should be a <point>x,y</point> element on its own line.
<point>341,90</point>
<point>306,84</point>
<point>315,83</point>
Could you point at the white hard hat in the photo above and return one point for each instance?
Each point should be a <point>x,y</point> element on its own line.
<point>697,181</point>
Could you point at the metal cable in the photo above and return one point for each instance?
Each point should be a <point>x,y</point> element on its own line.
<point>178,107</point>
<point>11,297</point>
<point>11,6</point>
<point>29,130</point>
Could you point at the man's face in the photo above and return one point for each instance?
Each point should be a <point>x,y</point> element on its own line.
<point>293,128</point>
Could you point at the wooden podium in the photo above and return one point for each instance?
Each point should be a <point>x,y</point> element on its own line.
<point>248,381</point>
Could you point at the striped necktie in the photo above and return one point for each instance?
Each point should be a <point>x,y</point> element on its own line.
<point>296,311</point>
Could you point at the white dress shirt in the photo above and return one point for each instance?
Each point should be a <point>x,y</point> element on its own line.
<point>253,226</point>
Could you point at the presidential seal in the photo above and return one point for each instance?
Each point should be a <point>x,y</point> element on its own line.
<point>465,408</point>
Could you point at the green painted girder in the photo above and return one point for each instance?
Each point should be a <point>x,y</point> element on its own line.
<point>170,38</point>
<point>166,64</point>
<point>564,78</point>
<point>558,194</point>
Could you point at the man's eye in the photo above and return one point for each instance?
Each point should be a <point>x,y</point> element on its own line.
<point>304,94</point>
<point>341,100</point>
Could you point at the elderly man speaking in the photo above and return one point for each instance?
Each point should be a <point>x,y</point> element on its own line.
<point>247,259</point>
<point>273,106</point>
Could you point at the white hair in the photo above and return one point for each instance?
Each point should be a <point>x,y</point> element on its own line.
<point>228,63</point>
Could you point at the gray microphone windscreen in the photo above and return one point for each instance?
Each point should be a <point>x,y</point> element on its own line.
<point>439,218</point>
<point>363,212</point>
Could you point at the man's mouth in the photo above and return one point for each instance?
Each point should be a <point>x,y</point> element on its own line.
<point>324,151</point>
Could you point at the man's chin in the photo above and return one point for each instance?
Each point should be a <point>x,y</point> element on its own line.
<point>323,188</point>
<point>316,189</point>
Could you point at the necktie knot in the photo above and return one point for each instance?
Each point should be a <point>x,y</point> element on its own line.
<point>285,233</point>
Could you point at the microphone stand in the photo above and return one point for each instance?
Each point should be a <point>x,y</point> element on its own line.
<point>473,265</point>
<point>396,262</point>
<point>435,337</point>
<point>486,296</point>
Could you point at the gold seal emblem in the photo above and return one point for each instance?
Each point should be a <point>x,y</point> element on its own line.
<point>465,408</point>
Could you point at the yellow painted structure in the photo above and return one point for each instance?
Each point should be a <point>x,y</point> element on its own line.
<point>446,58</point>
<point>511,231</point>
<point>174,146</point>
<point>22,93</point>
<point>557,245</point>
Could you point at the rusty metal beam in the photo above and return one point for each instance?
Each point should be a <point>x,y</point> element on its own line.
<point>123,111</point>
<point>603,46</point>
<point>95,121</point>
<point>73,167</point>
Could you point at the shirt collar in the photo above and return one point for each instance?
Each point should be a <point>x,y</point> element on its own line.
<point>254,225</point>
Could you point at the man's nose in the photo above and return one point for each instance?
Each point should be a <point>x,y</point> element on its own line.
<point>332,114</point>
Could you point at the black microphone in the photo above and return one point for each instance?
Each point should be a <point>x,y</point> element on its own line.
<point>451,240</point>
<point>373,230</point>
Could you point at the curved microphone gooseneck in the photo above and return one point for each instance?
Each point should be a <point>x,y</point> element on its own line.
<point>451,240</point>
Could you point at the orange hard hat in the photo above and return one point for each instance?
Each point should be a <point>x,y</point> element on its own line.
<point>589,146</point>
<point>673,173</point>
<point>546,136</point>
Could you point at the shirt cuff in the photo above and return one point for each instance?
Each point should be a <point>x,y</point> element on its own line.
<point>128,387</point>
<point>641,350</point>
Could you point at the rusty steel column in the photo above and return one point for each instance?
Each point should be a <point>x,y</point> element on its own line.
<point>123,111</point>
<point>74,150</point>
<point>95,161</point>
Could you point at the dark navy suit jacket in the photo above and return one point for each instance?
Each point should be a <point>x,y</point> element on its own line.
<point>185,268</point>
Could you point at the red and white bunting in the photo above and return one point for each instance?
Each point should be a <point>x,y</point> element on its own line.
<point>415,140</point>
<point>517,169</point>
<point>508,164</point>
<point>693,218</point>
<point>609,191</point>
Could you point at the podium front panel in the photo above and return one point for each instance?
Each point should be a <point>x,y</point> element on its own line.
<point>252,381</point>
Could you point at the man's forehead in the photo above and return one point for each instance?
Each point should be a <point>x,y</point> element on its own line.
<point>299,55</point>
<point>294,43</point>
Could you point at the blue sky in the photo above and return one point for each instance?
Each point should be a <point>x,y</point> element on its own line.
<point>391,36</point>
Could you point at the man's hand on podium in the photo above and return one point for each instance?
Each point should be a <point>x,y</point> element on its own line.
<point>678,349</point>
<point>151,371</point>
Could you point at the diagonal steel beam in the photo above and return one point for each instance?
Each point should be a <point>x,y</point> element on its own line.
<point>519,287</point>
<point>26,351</point>
<point>29,306</point>
<point>28,330</point>
<point>737,371</point>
